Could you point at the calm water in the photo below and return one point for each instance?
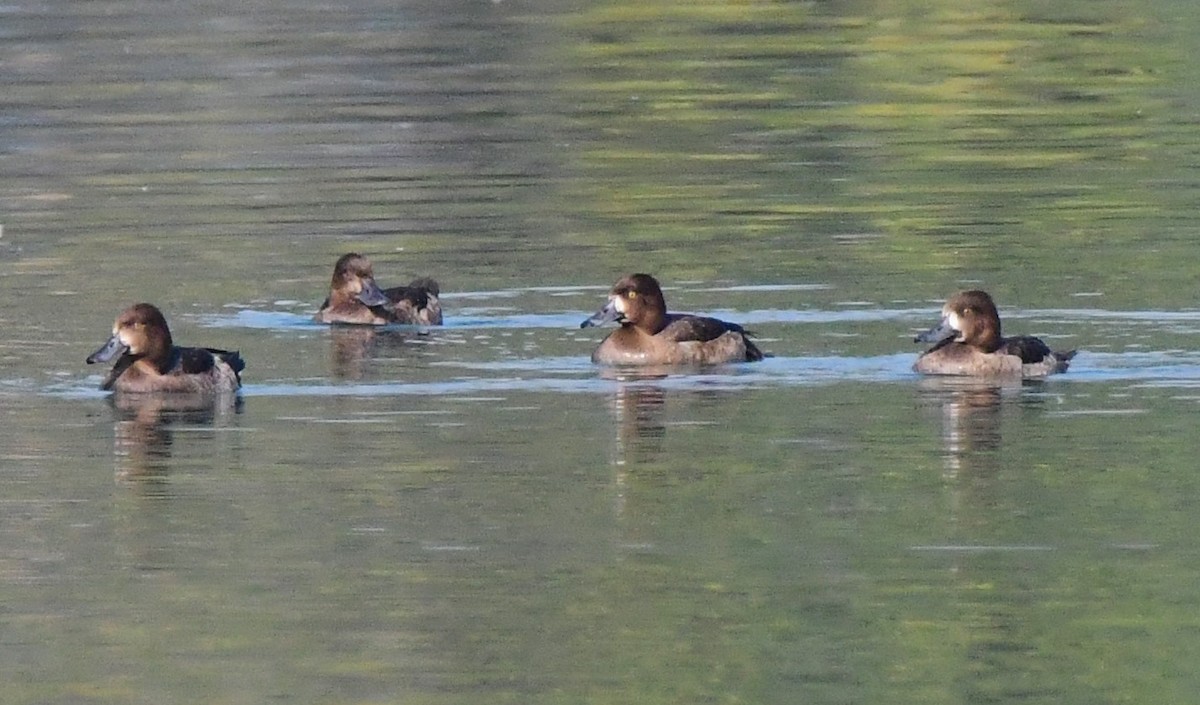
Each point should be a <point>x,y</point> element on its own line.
<point>476,514</point>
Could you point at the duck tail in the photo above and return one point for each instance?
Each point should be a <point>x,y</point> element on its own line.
<point>1063,360</point>
<point>753,352</point>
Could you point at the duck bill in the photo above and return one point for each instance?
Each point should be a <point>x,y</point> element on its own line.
<point>371,295</point>
<point>608,314</point>
<point>942,331</point>
<point>108,351</point>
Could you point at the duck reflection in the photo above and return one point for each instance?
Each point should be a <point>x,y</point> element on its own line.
<point>642,457</point>
<point>638,406</point>
<point>143,434</point>
<point>971,413</point>
<point>352,348</point>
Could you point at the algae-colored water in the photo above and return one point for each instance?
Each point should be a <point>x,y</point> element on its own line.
<point>476,513</point>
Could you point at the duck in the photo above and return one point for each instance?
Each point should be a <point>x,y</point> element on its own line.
<point>649,335</point>
<point>149,361</point>
<point>355,298</point>
<point>967,341</point>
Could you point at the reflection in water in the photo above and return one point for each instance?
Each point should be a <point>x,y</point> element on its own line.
<point>640,426</point>
<point>638,406</point>
<point>980,473</point>
<point>144,450</point>
<point>539,142</point>
<point>970,417</point>
<point>640,411</point>
<point>143,433</point>
<point>974,456</point>
<point>353,347</point>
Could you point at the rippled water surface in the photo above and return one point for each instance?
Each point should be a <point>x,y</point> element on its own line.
<point>476,513</point>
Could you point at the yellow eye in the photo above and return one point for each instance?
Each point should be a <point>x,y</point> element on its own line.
<point>632,294</point>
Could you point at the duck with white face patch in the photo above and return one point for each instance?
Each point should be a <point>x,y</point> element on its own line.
<point>650,336</point>
<point>968,341</point>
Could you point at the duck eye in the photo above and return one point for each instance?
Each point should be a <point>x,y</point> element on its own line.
<point>631,295</point>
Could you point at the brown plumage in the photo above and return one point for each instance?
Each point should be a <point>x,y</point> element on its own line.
<point>150,361</point>
<point>968,341</point>
<point>354,297</point>
<point>649,335</point>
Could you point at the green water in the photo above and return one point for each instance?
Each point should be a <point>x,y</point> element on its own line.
<point>477,514</point>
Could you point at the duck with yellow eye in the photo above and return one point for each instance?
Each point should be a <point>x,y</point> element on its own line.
<point>649,335</point>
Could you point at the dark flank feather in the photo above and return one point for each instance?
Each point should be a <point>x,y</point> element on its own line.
<point>417,296</point>
<point>1032,350</point>
<point>416,303</point>
<point>200,360</point>
<point>189,360</point>
<point>231,358</point>
<point>683,327</point>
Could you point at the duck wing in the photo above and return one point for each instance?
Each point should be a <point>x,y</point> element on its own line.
<point>1032,350</point>
<point>684,327</point>
<point>190,361</point>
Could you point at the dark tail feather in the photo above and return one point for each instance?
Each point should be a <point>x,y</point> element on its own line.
<point>1064,360</point>
<point>753,354</point>
<point>233,359</point>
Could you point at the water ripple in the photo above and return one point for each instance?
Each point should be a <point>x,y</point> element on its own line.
<point>577,375</point>
<point>511,317</point>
